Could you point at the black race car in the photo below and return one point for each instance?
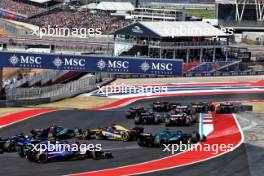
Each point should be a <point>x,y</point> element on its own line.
<point>229,107</point>
<point>161,106</point>
<point>133,112</point>
<point>167,137</point>
<point>82,134</point>
<point>2,142</point>
<point>200,107</point>
<point>181,119</point>
<point>53,131</point>
<point>148,118</point>
<point>181,109</point>
<point>173,105</point>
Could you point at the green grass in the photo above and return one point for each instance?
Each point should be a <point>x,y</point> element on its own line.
<point>204,13</point>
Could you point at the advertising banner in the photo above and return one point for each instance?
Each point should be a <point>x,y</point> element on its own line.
<point>84,63</point>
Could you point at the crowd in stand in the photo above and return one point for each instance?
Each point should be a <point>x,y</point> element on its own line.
<point>19,7</point>
<point>77,19</point>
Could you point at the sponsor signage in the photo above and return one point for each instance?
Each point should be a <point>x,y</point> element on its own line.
<point>235,73</point>
<point>121,65</point>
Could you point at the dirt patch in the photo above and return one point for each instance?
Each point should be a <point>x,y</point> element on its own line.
<point>79,103</point>
<point>76,103</point>
<point>257,106</point>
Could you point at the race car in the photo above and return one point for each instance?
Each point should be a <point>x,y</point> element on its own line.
<point>134,111</point>
<point>167,137</point>
<point>66,153</point>
<point>173,105</point>
<point>9,144</point>
<point>17,142</point>
<point>161,106</point>
<point>229,107</point>
<point>181,109</point>
<point>116,132</point>
<point>2,142</point>
<point>148,118</point>
<point>53,131</point>
<point>181,119</point>
<point>200,107</point>
<point>83,134</point>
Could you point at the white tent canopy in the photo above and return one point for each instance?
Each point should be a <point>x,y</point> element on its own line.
<point>90,6</point>
<point>40,1</point>
<point>115,6</point>
<point>183,29</point>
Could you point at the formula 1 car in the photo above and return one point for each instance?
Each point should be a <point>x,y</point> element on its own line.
<point>200,107</point>
<point>53,131</point>
<point>229,107</point>
<point>161,106</point>
<point>173,105</point>
<point>148,118</point>
<point>133,112</point>
<point>67,153</point>
<point>9,145</point>
<point>181,109</point>
<point>17,142</point>
<point>116,132</point>
<point>167,137</point>
<point>2,142</point>
<point>180,119</point>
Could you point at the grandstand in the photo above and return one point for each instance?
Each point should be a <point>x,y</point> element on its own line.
<point>14,9</point>
<point>191,41</point>
<point>152,14</point>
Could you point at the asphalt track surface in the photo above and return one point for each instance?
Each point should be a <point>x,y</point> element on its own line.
<point>233,163</point>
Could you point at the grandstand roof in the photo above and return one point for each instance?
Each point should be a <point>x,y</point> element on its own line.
<point>167,29</point>
<point>40,1</point>
<point>115,6</point>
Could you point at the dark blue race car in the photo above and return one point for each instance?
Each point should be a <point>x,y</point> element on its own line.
<point>66,153</point>
<point>149,118</point>
<point>11,143</point>
<point>134,111</point>
<point>16,143</point>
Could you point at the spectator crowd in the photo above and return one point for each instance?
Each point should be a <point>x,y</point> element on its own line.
<point>77,19</point>
<point>19,7</point>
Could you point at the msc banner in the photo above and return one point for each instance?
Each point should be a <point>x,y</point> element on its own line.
<point>127,65</point>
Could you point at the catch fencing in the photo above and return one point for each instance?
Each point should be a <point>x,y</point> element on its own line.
<point>58,91</point>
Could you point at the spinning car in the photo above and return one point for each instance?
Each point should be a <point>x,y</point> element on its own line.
<point>133,112</point>
<point>53,131</point>
<point>166,137</point>
<point>148,118</point>
<point>180,119</point>
<point>161,106</point>
<point>65,153</point>
<point>116,132</point>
